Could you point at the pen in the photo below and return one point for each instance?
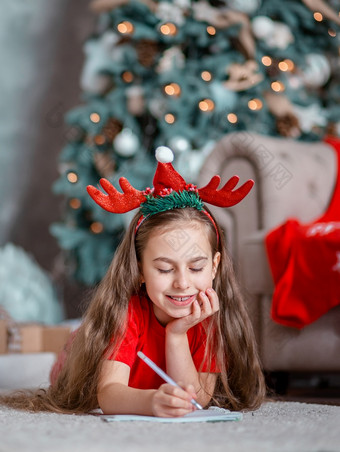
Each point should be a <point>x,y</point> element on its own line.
<point>165,376</point>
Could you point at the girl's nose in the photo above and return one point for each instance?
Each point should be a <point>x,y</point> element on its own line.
<point>181,281</point>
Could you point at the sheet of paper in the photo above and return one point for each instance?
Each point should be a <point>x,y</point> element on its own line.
<point>213,414</point>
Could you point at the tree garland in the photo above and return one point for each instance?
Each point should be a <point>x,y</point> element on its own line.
<point>174,200</point>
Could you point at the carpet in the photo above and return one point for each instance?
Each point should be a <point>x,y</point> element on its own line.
<point>276,426</point>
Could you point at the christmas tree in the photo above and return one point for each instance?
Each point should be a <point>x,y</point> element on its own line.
<point>181,74</point>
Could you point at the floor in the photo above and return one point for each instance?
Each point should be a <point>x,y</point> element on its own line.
<point>321,388</point>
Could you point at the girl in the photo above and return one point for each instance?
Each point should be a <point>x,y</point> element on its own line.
<point>170,292</point>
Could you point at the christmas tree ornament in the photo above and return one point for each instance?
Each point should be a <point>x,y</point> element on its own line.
<point>243,76</point>
<point>317,71</point>
<point>104,164</point>
<point>135,101</point>
<point>172,58</point>
<point>111,129</point>
<point>179,144</point>
<point>223,19</point>
<point>170,12</point>
<point>126,143</point>
<point>288,125</point>
<point>93,78</point>
<point>262,26</point>
<point>147,51</point>
<point>245,6</point>
<point>275,34</point>
<point>310,117</point>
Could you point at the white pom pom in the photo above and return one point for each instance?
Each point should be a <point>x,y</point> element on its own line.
<point>164,154</point>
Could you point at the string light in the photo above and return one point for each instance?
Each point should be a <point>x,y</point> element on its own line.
<point>168,29</point>
<point>97,227</point>
<point>72,177</point>
<point>283,66</point>
<point>318,16</point>
<point>172,89</point>
<point>266,60</point>
<point>169,118</point>
<point>94,117</point>
<point>75,203</point>
<point>125,27</point>
<point>206,105</point>
<point>99,140</point>
<point>255,104</point>
<point>211,30</point>
<point>290,64</point>
<point>232,118</point>
<point>277,86</point>
<point>127,76</point>
<point>206,76</point>
<point>332,33</point>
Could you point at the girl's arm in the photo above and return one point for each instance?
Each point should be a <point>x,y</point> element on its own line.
<point>116,397</point>
<point>179,362</point>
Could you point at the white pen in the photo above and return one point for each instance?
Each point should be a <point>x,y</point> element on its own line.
<point>165,376</point>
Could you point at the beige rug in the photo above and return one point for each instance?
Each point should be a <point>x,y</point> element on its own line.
<point>276,426</point>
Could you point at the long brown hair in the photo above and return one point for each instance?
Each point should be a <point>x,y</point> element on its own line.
<point>230,336</point>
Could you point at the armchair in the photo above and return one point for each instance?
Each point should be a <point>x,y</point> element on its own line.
<point>292,179</point>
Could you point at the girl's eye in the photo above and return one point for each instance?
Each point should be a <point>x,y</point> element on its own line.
<point>164,271</point>
<point>196,269</point>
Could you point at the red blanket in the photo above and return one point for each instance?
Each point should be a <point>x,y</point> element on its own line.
<point>305,264</point>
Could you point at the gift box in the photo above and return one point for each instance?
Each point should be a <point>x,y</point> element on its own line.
<point>36,338</point>
<point>3,336</point>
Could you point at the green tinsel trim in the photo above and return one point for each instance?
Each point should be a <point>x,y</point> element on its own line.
<point>175,200</point>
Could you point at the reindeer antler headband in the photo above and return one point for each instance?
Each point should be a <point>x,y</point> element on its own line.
<point>170,191</point>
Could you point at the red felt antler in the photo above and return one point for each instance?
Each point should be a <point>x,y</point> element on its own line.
<point>167,177</point>
<point>115,201</point>
<point>226,196</point>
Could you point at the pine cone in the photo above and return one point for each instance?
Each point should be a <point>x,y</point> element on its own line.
<point>331,129</point>
<point>104,163</point>
<point>111,129</point>
<point>288,126</point>
<point>146,52</point>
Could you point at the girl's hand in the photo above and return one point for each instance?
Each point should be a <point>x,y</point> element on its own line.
<point>172,401</point>
<point>206,304</point>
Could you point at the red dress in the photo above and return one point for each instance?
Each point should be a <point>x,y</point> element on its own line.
<point>144,333</point>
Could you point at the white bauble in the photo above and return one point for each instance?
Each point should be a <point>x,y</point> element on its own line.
<point>164,154</point>
<point>262,26</point>
<point>281,37</point>
<point>126,143</point>
<point>179,144</point>
<point>245,6</point>
<point>98,58</point>
<point>317,70</point>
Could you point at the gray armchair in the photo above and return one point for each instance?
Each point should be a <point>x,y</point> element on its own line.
<point>292,179</point>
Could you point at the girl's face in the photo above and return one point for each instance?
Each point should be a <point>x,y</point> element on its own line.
<point>176,265</point>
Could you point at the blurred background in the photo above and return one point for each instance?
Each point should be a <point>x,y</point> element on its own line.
<point>41,47</point>
<point>91,89</point>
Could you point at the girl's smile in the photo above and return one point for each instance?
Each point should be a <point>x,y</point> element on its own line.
<point>182,300</point>
<point>177,264</point>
